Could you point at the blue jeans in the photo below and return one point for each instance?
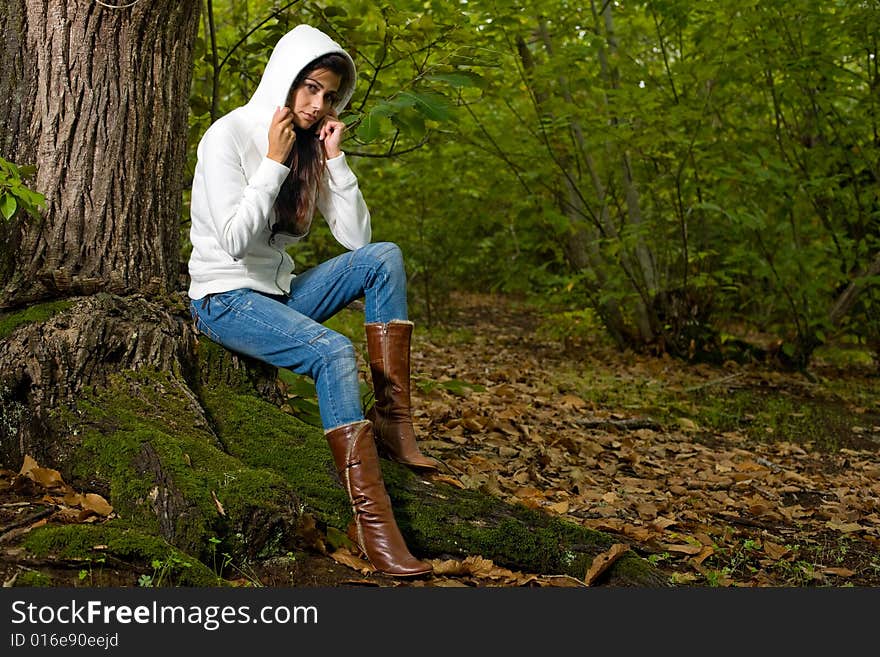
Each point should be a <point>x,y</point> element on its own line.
<point>286,331</point>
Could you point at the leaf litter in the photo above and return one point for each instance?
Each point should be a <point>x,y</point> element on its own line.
<point>709,507</point>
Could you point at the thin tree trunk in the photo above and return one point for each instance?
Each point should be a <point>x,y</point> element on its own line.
<point>644,276</point>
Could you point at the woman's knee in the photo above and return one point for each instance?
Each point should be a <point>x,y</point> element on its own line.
<point>387,254</point>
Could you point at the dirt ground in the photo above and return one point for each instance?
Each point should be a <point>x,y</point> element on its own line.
<point>660,454</point>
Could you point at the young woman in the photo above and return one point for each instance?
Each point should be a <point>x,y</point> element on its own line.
<point>262,172</point>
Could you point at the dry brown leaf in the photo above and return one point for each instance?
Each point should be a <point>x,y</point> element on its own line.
<point>845,527</point>
<point>28,465</point>
<point>346,558</point>
<point>840,572</point>
<point>704,554</point>
<point>86,515</point>
<point>604,561</point>
<point>449,567</point>
<point>72,499</point>
<point>453,481</point>
<point>662,523</point>
<point>641,534</point>
<point>311,536</point>
<point>560,507</point>
<point>46,477</point>
<point>684,548</point>
<point>571,401</point>
<point>478,565</point>
<point>774,551</point>
<point>96,503</point>
<point>217,504</point>
<point>67,515</point>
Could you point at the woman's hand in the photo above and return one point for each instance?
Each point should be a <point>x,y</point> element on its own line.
<point>281,135</point>
<point>330,133</point>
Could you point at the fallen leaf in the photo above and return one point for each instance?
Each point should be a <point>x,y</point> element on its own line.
<point>46,477</point>
<point>28,465</point>
<point>685,548</point>
<point>346,558</point>
<point>775,551</point>
<point>96,503</point>
<point>704,554</point>
<point>559,507</point>
<point>845,527</point>
<point>603,562</point>
<point>453,481</point>
<point>217,503</point>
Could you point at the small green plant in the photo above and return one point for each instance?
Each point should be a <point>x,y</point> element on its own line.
<point>659,557</point>
<point>227,558</point>
<point>162,570</point>
<point>87,573</point>
<point>15,196</point>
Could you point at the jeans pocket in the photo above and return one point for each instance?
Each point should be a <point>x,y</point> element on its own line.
<point>200,324</point>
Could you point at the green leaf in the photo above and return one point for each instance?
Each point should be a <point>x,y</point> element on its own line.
<point>368,130</point>
<point>410,122</point>
<point>460,79</point>
<point>8,205</point>
<point>432,105</point>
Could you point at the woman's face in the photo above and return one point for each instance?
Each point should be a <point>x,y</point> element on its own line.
<point>312,99</point>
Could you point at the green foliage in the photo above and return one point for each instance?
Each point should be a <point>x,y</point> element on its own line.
<point>15,197</point>
<point>684,172</point>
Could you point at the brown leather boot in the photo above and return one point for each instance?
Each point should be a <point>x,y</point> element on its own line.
<point>373,528</point>
<point>388,346</point>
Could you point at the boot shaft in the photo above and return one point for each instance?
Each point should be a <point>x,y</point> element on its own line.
<point>388,347</point>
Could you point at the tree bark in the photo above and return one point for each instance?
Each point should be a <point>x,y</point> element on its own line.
<point>96,99</point>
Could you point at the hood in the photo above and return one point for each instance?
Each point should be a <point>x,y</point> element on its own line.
<point>292,54</point>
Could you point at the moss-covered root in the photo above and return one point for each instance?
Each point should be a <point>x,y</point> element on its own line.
<point>436,518</point>
<point>96,551</point>
<point>444,519</point>
<point>145,438</point>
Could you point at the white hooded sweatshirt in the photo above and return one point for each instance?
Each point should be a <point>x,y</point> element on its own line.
<point>235,184</point>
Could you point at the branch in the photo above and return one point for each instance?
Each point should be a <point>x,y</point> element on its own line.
<point>274,14</point>
<point>848,297</point>
<point>390,152</point>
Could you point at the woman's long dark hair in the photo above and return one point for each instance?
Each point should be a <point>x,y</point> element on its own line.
<point>295,204</point>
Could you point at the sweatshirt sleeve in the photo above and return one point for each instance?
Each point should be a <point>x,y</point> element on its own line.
<point>239,207</point>
<point>342,205</point>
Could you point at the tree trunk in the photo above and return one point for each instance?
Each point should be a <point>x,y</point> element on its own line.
<point>96,99</point>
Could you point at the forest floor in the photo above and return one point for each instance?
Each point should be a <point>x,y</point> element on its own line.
<point>721,475</point>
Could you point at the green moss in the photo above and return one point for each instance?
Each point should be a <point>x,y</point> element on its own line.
<point>96,544</point>
<point>33,578</point>
<point>143,435</point>
<point>219,371</point>
<point>262,436</point>
<point>512,536</point>
<point>31,315</point>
